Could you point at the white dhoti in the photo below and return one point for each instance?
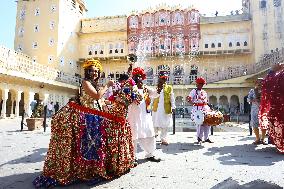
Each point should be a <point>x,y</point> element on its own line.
<point>142,127</point>
<point>161,120</point>
<point>147,144</point>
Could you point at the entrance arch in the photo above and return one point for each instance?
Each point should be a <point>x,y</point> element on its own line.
<point>224,104</point>
<point>234,104</point>
<point>213,101</point>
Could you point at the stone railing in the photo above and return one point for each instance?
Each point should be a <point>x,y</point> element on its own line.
<point>265,63</point>
<point>222,73</point>
<point>22,65</point>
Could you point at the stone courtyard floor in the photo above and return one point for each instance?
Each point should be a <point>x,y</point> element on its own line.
<point>231,162</point>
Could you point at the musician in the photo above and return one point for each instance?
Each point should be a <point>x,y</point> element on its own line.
<point>198,98</point>
<point>163,107</point>
<point>140,119</point>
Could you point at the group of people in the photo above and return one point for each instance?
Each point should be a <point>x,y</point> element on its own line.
<point>95,136</point>
<point>267,108</point>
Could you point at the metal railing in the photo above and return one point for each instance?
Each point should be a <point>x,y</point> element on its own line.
<point>12,61</point>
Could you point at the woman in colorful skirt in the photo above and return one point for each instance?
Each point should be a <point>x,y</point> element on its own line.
<point>86,143</point>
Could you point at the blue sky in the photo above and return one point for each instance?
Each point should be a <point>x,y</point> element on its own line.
<point>8,10</point>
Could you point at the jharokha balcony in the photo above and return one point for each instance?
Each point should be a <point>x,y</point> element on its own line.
<point>19,65</point>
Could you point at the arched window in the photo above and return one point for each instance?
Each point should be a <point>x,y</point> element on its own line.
<point>263,4</point>
<point>230,44</point>
<point>212,45</point>
<point>149,72</point>
<point>163,68</point>
<point>277,3</point>
<point>178,70</point>
<point>245,43</point>
<point>238,44</point>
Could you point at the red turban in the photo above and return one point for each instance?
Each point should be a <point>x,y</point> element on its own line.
<point>163,75</point>
<point>200,80</point>
<point>139,72</point>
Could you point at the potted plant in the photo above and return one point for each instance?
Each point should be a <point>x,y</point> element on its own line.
<point>36,119</point>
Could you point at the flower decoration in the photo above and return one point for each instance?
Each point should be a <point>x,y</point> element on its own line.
<point>126,94</point>
<point>139,72</point>
<point>131,82</point>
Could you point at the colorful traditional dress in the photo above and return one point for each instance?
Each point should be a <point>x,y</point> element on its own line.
<point>272,108</point>
<point>87,144</point>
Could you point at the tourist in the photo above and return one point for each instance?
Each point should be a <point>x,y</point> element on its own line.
<point>56,107</point>
<point>163,107</point>
<point>33,105</point>
<point>254,99</point>
<point>198,98</point>
<point>49,109</point>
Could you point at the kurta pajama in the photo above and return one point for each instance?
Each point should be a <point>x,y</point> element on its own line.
<point>200,100</point>
<point>161,119</point>
<point>142,125</point>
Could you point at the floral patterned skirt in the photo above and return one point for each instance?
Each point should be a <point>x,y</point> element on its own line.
<point>86,144</point>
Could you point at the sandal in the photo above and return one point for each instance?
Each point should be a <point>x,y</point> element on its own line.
<point>257,142</point>
<point>263,142</point>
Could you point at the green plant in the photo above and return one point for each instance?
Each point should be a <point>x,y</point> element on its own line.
<point>38,111</point>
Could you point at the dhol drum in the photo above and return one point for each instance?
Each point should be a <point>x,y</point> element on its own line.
<point>198,117</point>
<point>212,118</point>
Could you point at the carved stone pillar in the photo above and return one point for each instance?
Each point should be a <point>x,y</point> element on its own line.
<point>5,97</point>
<point>18,98</point>
<point>28,108</point>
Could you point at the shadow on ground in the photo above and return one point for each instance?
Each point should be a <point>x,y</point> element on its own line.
<point>37,155</point>
<point>256,184</point>
<point>24,181</point>
<point>246,154</point>
<point>178,148</point>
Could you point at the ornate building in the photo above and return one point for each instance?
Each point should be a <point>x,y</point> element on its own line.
<point>53,38</point>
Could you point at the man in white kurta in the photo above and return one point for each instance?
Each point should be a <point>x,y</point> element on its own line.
<point>163,107</point>
<point>140,120</point>
<point>198,98</point>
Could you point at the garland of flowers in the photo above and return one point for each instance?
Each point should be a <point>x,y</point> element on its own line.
<point>126,94</point>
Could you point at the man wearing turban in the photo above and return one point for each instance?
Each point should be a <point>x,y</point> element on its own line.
<point>140,119</point>
<point>198,98</point>
<point>163,107</point>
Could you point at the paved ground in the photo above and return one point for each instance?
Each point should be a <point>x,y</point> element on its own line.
<point>231,162</point>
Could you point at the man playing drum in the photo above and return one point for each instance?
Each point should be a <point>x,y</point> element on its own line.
<point>198,98</point>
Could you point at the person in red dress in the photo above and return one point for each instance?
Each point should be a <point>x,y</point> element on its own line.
<point>271,111</point>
